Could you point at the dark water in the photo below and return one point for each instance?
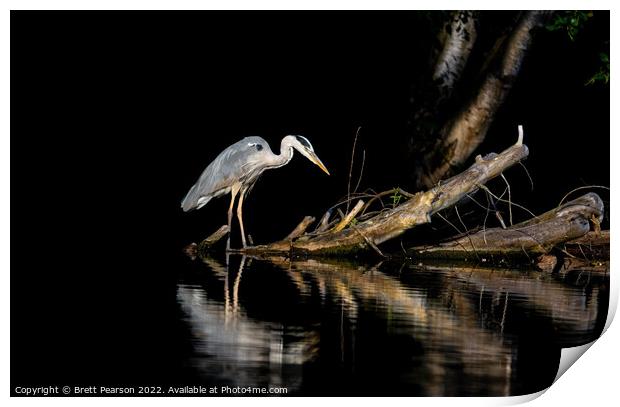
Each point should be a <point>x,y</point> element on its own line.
<point>334,328</point>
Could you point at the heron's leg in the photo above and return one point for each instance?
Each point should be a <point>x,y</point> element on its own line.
<point>240,216</point>
<point>233,195</point>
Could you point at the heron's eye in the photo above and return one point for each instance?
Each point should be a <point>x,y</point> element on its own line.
<point>259,147</point>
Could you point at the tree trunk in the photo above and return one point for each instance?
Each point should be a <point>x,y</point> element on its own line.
<point>439,154</point>
<point>457,46</point>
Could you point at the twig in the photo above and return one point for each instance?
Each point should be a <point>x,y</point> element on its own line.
<point>526,255</point>
<point>349,217</point>
<point>568,254</point>
<point>484,224</point>
<point>341,214</point>
<point>449,223</point>
<point>361,171</point>
<point>300,228</point>
<point>456,209</point>
<point>324,222</point>
<point>352,198</point>
<point>582,252</point>
<point>503,200</point>
<point>404,251</point>
<point>498,215</point>
<point>351,167</point>
<point>476,202</point>
<point>457,229</point>
<point>509,196</point>
<point>528,175</point>
<point>370,242</point>
<point>378,196</point>
<point>577,189</point>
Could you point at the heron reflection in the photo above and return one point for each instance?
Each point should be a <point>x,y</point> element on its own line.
<point>239,349</point>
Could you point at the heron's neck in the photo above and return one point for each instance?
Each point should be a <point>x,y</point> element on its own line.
<point>286,154</point>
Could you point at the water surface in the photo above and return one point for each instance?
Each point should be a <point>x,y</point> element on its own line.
<point>340,328</point>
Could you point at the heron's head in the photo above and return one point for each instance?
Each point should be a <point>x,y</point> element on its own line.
<point>302,145</point>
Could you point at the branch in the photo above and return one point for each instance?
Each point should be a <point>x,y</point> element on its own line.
<point>347,219</point>
<point>324,222</point>
<point>301,228</point>
<point>214,237</point>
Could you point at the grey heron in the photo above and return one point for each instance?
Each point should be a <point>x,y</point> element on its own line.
<point>236,169</point>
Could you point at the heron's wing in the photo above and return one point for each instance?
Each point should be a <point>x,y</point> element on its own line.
<point>217,179</point>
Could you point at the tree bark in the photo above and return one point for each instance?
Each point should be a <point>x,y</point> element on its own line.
<point>457,46</point>
<point>458,138</point>
<point>592,245</point>
<point>535,236</point>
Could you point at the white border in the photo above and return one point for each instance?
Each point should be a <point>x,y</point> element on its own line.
<point>591,381</point>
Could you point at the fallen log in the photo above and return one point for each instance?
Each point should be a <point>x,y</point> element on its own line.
<point>538,235</point>
<point>589,252</point>
<point>592,245</point>
<point>393,222</point>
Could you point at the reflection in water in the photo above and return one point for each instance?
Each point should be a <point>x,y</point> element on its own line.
<point>241,351</point>
<point>341,328</point>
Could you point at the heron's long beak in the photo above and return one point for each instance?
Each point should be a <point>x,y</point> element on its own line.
<point>313,157</point>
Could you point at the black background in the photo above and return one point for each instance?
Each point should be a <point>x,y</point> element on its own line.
<point>114,116</point>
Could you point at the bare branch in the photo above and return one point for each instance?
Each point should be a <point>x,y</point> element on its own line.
<point>350,216</point>
<point>300,228</point>
<point>324,222</point>
<point>214,237</point>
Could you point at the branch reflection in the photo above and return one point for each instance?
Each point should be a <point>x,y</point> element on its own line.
<point>453,330</point>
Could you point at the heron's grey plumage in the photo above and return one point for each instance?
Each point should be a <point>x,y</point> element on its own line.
<point>230,166</point>
<point>238,167</point>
